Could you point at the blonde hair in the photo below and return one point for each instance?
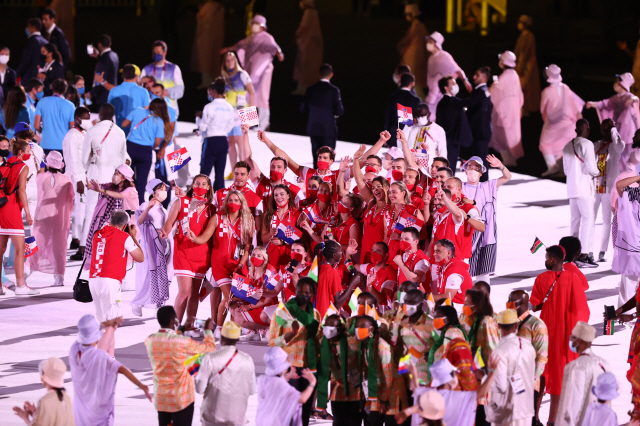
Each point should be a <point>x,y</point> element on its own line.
<point>247,223</point>
<point>403,187</point>
<point>223,68</point>
<point>265,255</point>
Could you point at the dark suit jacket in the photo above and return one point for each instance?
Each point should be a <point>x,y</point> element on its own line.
<point>58,38</point>
<point>30,60</point>
<point>479,115</point>
<point>9,80</point>
<point>404,98</point>
<point>451,116</point>
<point>108,62</point>
<point>55,71</point>
<point>323,103</point>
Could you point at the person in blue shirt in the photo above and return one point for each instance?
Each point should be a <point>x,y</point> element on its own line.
<point>14,110</point>
<point>148,129</point>
<point>162,170</point>
<point>35,91</point>
<point>78,82</point>
<point>54,117</point>
<point>128,95</point>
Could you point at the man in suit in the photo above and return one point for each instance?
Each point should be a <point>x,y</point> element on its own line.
<point>55,35</point>
<point>479,116</point>
<point>323,103</point>
<point>7,75</point>
<point>106,75</point>
<point>404,96</point>
<point>451,116</point>
<point>31,58</point>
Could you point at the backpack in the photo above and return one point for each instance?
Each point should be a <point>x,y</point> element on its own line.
<point>5,170</point>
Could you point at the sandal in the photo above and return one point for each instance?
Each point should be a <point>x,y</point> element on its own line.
<point>321,414</point>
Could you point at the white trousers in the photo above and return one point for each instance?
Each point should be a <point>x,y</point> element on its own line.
<point>628,287</point>
<point>605,200</point>
<point>77,217</point>
<point>106,297</point>
<point>264,117</point>
<point>91,201</point>
<point>582,220</point>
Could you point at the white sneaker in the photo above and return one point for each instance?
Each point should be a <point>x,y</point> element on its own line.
<point>10,285</point>
<point>217,334</point>
<point>127,286</point>
<point>25,290</point>
<point>251,336</point>
<point>58,282</point>
<point>263,336</point>
<point>136,309</point>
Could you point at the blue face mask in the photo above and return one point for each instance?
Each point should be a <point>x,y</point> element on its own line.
<point>81,91</point>
<point>210,98</point>
<point>26,30</point>
<point>39,95</point>
<point>157,57</point>
<point>572,347</point>
<point>154,96</point>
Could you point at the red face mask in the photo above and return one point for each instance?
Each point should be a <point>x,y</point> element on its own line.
<point>276,175</point>
<point>296,256</point>
<point>370,169</point>
<point>25,157</point>
<point>342,208</point>
<point>323,165</point>
<point>325,198</point>
<point>405,245</point>
<point>256,262</point>
<point>312,193</point>
<point>233,207</point>
<point>410,187</point>
<point>376,257</point>
<point>397,175</point>
<point>199,192</point>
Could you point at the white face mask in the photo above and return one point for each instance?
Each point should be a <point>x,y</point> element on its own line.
<point>115,179</point>
<point>410,309</point>
<point>455,89</point>
<point>86,124</point>
<point>330,332</point>
<point>4,59</point>
<point>396,78</point>
<point>255,28</point>
<point>161,195</point>
<point>422,121</point>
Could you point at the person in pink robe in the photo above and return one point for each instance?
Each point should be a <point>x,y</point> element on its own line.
<point>256,52</point>
<point>306,70</point>
<point>52,219</point>
<point>507,99</point>
<point>412,48</point>
<point>622,108</point>
<point>560,108</point>
<point>439,65</point>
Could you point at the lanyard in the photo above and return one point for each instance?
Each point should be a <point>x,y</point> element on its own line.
<point>573,145</point>
<point>163,68</point>
<point>143,120</point>
<point>601,366</point>
<point>416,334</point>
<point>105,136</point>
<point>552,286</point>
<point>228,362</point>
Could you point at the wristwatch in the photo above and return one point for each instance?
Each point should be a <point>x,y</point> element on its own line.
<point>468,216</point>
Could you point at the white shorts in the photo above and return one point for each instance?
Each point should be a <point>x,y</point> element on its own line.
<point>106,296</point>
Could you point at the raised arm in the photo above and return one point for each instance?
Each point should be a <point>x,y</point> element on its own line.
<point>365,192</point>
<point>293,166</point>
<point>506,174</point>
<point>408,155</point>
<point>457,214</point>
<point>207,234</point>
<point>623,183</point>
<point>384,137</point>
<point>255,173</point>
<point>340,183</point>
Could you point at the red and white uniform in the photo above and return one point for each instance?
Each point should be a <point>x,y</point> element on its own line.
<point>454,275</point>
<point>191,259</point>
<point>373,224</point>
<point>417,261</point>
<point>280,255</point>
<point>391,219</point>
<point>446,227</point>
<point>11,212</point>
<point>386,277</point>
<point>331,177</point>
<point>288,288</point>
<point>108,268</point>
<point>465,237</point>
<point>253,315</point>
<point>253,201</point>
<point>225,254</point>
<point>318,219</point>
<point>341,231</point>
<point>264,189</point>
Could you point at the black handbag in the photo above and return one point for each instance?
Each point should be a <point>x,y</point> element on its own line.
<point>81,291</point>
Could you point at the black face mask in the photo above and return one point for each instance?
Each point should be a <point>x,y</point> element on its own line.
<point>302,300</point>
<point>4,153</point>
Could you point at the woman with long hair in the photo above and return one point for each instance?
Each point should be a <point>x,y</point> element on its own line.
<point>400,203</point>
<point>280,210</point>
<point>119,194</point>
<point>72,96</point>
<point>51,67</point>
<point>193,212</point>
<point>149,126</point>
<point>233,229</point>
<point>154,274</point>
<point>14,110</point>
<point>320,213</point>
<point>11,226</point>
<point>482,329</point>
<point>52,219</point>
<point>346,227</point>
<point>239,94</point>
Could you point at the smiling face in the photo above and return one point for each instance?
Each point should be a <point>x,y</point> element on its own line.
<point>396,196</point>
<point>230,61</point>
<point>378,190</point>
<point>441,253</point>
<point>281,196</point>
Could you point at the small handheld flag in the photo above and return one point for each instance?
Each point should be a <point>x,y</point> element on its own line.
<point>353,301</point>
<point>331,311</point>
<point>431,303</point>
<point>406,220</point>
<point>282,315</point>
<point>30,246</point>
<point>421,156</point>
<point>271,277</point>
<point>241,288</point>
<point>536,245</point>
<point>178,159</point>
<point>403,364</point>
<point>405,115</point>
<point>609,327</point>
<point>249,115</point>
<point>447,302</point>
<point>193,364</point>
<point>478,362</point>
<point>288,233</point>
<point>313,272</point>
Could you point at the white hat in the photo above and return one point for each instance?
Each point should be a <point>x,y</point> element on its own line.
<point>437,38</point>
<point>477,160</point>
<point>606,387</point>
<point>553,74</point>
<point>152,184</point>
<point>394,152</point>
<point>584,332</point>
<point>508,58</point>
<point>54,160</point>
<point>260,20</point>
<point>52,371</point>
<point>441,373</point>
<point>626,80</point>
<point>276,360</point>
<point>431,405</point>
<point>125,171</point>
<point>89,330</point>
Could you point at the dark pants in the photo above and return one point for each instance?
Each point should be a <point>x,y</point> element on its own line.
<point>318,142</point>
<point>537,395</point>
<point>346,413</point>
<point>214,155</point>
<point>140,164</point>
<point>481,149</point>
<point>378,419</point>
<point>161,173</point>
<point>301,384</point>
<point>453,152</point>
<point>481,417</point>
<point>183,417</point>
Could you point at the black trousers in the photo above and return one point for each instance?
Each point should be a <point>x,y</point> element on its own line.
<point>318,142</point>
<point>183,417</point>
<point>481,149</point>
<point>140,164</point>
<point>214,155</point>
<point>346,413</point>
<point>453,152</point>
<point>378,419</point>
<point>481,417</point>
<point>301,384</point>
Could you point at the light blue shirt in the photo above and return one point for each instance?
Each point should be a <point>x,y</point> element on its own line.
<point>144,131</point>
<point>125,98</point>
<point>56,114</point>
<point>31,108</point>
<point>23,117</point>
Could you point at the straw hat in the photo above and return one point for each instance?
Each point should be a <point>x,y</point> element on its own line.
<point>584,332</point>
<point>431,405</point>
<point>231,330</point>
<point>507,317</point>
<point>52,372</point>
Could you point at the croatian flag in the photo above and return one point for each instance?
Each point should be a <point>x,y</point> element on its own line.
<point>271,277</point>
<point>288,233</point>
<point>241,288</point>
<point>404,115</point>
<point>30,246</point>
<point>178,159</point>
<point>408,221</point>
<point>315,217</point>
<point>421,156</point>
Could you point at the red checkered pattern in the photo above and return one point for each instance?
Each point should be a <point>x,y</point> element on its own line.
<point>248,115</point>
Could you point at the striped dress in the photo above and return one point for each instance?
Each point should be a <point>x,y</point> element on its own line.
<point>484,244</point>
<point>417,341</point>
